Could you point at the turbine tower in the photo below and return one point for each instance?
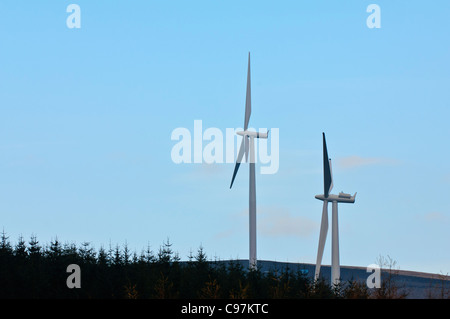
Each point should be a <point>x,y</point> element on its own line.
<point>335,199</point>
<point>247,145</point>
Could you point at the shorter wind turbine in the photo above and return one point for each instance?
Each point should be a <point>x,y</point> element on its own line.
<point>335,199</point>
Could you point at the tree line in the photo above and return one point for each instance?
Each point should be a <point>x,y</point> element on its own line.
<point>31,270</point>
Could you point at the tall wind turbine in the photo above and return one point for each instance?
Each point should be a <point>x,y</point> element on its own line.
<point>247,145</point>
<point>335,199</point>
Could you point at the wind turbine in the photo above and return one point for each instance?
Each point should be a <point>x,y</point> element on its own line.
<point>247,145</point>
<point>335,199</point>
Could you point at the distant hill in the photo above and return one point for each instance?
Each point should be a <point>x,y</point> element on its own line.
<point>418,285</point>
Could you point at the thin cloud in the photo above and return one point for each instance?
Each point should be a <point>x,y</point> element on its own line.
<point>446,178</point>
<point>355,161</point>
<point>203,171</point>
<point>225,234</point>
<point>279,222</point>
<point>435,217</point>
<point>209,170</point>
<point>276,222</point>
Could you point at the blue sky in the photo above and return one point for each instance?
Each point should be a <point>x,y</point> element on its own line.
<point>87,116</point>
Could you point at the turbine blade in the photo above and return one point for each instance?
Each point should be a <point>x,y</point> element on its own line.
<point>327,178</point>
<point>238,161</point>
<point>247,143</point>
<point>248,98</point>
<point>322,238</point>
<point>331,175</point>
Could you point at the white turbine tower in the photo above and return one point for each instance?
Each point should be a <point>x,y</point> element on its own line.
<point>247,145</point>
<point>335,199</point>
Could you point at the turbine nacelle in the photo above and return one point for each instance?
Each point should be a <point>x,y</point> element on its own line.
<point>253,134</point>
<point>341,198</point>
